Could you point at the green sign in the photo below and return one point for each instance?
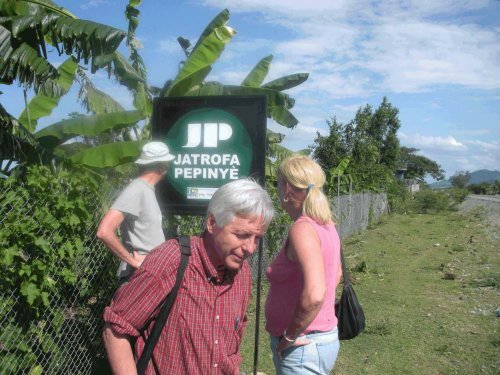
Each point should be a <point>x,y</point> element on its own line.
<point>214,140</point>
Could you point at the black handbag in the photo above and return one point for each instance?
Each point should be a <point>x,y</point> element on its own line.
<point>350,315</point>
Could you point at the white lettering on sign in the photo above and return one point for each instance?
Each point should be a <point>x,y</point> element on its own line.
<point>206,159</point>
<point>213,132</point>
<point>206,173</point>
<point>206,166</point>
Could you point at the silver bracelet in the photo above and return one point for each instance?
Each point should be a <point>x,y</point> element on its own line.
<point>288,338</point>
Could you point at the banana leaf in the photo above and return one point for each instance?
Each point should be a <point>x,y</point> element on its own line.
<point>283,116</point>
<point>42,105</point>
<point>219,20</point>
<point>24,65</point>
<point>273,137</point>
<point>200,60</point>
<point>287,82</point>
<point>98,102</point>
<point>258,73</point>
<point>62,131</point>
<point>109,155</point>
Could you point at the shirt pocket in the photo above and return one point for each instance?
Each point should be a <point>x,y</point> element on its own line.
<point>237,334</point>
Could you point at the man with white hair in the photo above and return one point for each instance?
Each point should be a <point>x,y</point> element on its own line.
<point>206,323</point>
<point>137,213</point>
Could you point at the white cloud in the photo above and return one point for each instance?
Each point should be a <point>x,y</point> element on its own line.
<point>359,48</point>
<point>93,3</point>
<point>430,142</point>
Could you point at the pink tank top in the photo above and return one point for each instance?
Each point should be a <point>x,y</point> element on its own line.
<point>286,284</point>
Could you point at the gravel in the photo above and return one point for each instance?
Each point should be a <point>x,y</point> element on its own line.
<point>489,206</point>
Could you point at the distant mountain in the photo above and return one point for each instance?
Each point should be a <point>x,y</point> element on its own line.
<point>483,175</point>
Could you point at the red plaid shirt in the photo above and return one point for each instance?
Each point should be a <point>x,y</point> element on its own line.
<point>205,326</point>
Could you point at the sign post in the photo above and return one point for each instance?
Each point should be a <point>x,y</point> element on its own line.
<point>215,140</point>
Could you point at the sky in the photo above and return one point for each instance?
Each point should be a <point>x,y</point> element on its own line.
<point>437,61</point>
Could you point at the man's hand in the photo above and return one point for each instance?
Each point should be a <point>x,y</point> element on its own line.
<point>107,234</point>
<point>139,258</point>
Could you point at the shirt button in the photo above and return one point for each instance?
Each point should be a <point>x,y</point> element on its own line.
<point>217,317</point>
<point>215,364</point>
<point>216,342</point>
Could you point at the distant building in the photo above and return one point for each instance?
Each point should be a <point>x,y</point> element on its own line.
<point>412,185</point>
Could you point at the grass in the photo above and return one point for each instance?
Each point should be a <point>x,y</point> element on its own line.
<point>429,286</point>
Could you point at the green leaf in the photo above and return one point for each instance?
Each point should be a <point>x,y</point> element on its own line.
<point>42,105</point>
<point>60,132</point>
<point>273,137</point>
<point>84,38</point>
<point>125,73</point>
<point>109,155</point>
<point>219,20</point>
<point>36,370</point>
<point>258,73</point>
<point>24,65</point>
<point>30,291</point>
<point>274,98</point>
<point>283,117</point>
<point>8,255</point>
<point>134,3</point>
<point>43,244</point>
<point>340,169</point>
<point>197,66</point>
<point>287,82</point>
<point>99,102</point>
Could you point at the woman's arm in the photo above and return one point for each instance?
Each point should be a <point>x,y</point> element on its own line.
<point>304,247</point>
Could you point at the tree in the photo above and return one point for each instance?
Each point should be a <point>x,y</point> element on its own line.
<point>460,179</point>
<point>418,166</point>
<point>369,142</point>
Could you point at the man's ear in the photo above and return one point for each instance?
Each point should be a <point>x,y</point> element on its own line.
<point>211,224</point>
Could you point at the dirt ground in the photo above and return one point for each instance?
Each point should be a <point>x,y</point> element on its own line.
<point>488,206</point>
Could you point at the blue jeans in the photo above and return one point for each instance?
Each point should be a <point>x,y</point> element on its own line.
<point>318,357</point>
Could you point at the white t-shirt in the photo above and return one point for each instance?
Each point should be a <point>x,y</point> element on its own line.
<point>141,230</point>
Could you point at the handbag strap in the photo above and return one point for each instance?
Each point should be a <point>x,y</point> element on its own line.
<point>142,364</point>
<point>345,273</point>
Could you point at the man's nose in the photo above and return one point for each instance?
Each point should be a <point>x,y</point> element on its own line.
<point>250,244</point>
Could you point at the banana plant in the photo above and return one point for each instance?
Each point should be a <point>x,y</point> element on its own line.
<point>26,26</point>
<point>337,179</point>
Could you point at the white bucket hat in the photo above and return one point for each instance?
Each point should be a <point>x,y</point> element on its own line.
<point>154,152</point>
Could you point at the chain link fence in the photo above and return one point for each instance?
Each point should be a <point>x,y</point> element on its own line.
<point>64,335</point>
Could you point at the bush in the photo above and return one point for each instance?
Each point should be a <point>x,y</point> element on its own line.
<point>430,201</point>
<point>398,196</point>
<point>47,218</point>
<point>458,195</point>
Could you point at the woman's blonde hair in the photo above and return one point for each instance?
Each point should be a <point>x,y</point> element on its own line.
<point>305,174</point>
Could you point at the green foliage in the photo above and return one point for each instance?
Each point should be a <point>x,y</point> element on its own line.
<point>26,28</point>
<point>369,142</point>
<point>460,179</point>
<point>418,166</point>
<point>44,246</point>
<point>485,188</point>
<point>398,196</point>
<point>428,201</point>
<point>457,195</point>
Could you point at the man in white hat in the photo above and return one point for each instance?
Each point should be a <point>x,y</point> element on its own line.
<point>137,213</point>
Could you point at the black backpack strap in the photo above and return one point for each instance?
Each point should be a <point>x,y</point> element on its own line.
<point>161,319</point>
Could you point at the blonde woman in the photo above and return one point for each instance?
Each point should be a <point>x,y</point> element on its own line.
<point>300,306</point>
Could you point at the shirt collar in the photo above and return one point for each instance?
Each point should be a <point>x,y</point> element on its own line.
<point>213,276</point>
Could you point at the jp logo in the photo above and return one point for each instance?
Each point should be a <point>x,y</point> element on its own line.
<point>212,133</point>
